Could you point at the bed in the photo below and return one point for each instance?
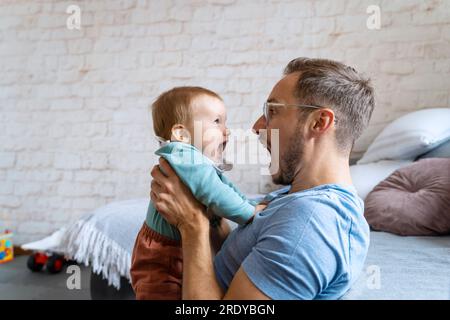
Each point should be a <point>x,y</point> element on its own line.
<point>409,268</point>
<point>396,267</point>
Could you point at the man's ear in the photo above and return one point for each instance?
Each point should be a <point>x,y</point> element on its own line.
<point>180,133</point>
<point>323,120</point>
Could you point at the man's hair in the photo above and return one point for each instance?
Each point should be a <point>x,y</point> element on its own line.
<point>337,86</point>
<point>175,107</point>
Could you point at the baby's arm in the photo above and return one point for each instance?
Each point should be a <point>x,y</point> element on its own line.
<point>206,185</point>
<point>259,206</point>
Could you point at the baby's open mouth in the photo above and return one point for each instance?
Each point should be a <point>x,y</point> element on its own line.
<point>222,146</point>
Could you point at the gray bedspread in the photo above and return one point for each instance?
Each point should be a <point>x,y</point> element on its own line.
<point>404,268</point>
<point>396,267</point>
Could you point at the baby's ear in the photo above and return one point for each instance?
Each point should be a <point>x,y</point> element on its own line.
<point>180,133</point>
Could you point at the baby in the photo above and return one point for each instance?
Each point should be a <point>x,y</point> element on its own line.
<point>178,115</point>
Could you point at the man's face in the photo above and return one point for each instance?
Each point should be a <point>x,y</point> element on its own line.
<point>286,121</point>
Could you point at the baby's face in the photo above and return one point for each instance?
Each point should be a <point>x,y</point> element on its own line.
<point>209,131</point>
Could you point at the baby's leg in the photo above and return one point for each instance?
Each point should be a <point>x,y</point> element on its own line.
<point>156,266</point>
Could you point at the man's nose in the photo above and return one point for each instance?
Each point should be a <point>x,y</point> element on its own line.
<point>259,124</point>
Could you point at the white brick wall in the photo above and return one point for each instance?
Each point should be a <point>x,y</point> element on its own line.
<point>75,132</point>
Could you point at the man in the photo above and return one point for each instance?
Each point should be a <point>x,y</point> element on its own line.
<point>311,240</point>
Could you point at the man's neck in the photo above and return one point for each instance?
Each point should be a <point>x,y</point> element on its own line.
<point>320,170</point>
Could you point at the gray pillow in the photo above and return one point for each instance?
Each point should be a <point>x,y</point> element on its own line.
<point>442,151</point>
<point>413,201</point>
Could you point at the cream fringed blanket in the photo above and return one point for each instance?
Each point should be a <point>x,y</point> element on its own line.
<point>104,238</point>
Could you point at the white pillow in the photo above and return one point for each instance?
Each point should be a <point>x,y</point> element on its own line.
<point>366,176</point>
<point>410,136</point>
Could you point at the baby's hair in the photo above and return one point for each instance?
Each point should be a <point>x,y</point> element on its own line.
<point>175,106</point>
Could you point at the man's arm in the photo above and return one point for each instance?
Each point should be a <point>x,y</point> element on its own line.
<point>242,288</point>
<point>218,235</point>
<point>199,279</point>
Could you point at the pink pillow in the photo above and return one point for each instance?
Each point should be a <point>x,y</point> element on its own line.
<point>414,200</point>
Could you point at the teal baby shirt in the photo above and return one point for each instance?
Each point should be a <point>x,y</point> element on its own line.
<point>206,182</point>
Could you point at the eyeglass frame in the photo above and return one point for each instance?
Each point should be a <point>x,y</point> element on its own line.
<point>277,104</point>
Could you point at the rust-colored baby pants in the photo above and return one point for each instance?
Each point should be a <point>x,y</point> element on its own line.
<point>156,266</point>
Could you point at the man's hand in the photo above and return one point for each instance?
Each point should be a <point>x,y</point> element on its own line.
<point>174,201</point>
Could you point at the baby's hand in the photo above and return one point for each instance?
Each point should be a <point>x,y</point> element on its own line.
<point>260,207</point>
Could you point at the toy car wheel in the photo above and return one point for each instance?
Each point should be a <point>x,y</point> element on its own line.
<point>55,264</point>
<point>34,265</point>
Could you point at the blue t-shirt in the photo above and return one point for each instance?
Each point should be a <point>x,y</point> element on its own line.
<point>306,245</point>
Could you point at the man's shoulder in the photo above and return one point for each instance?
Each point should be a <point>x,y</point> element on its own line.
<point>324,205</point>
<point>325,197</point>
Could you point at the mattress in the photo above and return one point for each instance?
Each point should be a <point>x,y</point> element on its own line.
<point>404,268</point>
<point>396,267</point>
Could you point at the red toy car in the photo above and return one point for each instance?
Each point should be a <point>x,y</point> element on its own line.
<point>53,263</point>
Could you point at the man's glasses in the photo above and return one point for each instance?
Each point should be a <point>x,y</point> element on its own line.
<point>268,105</point>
